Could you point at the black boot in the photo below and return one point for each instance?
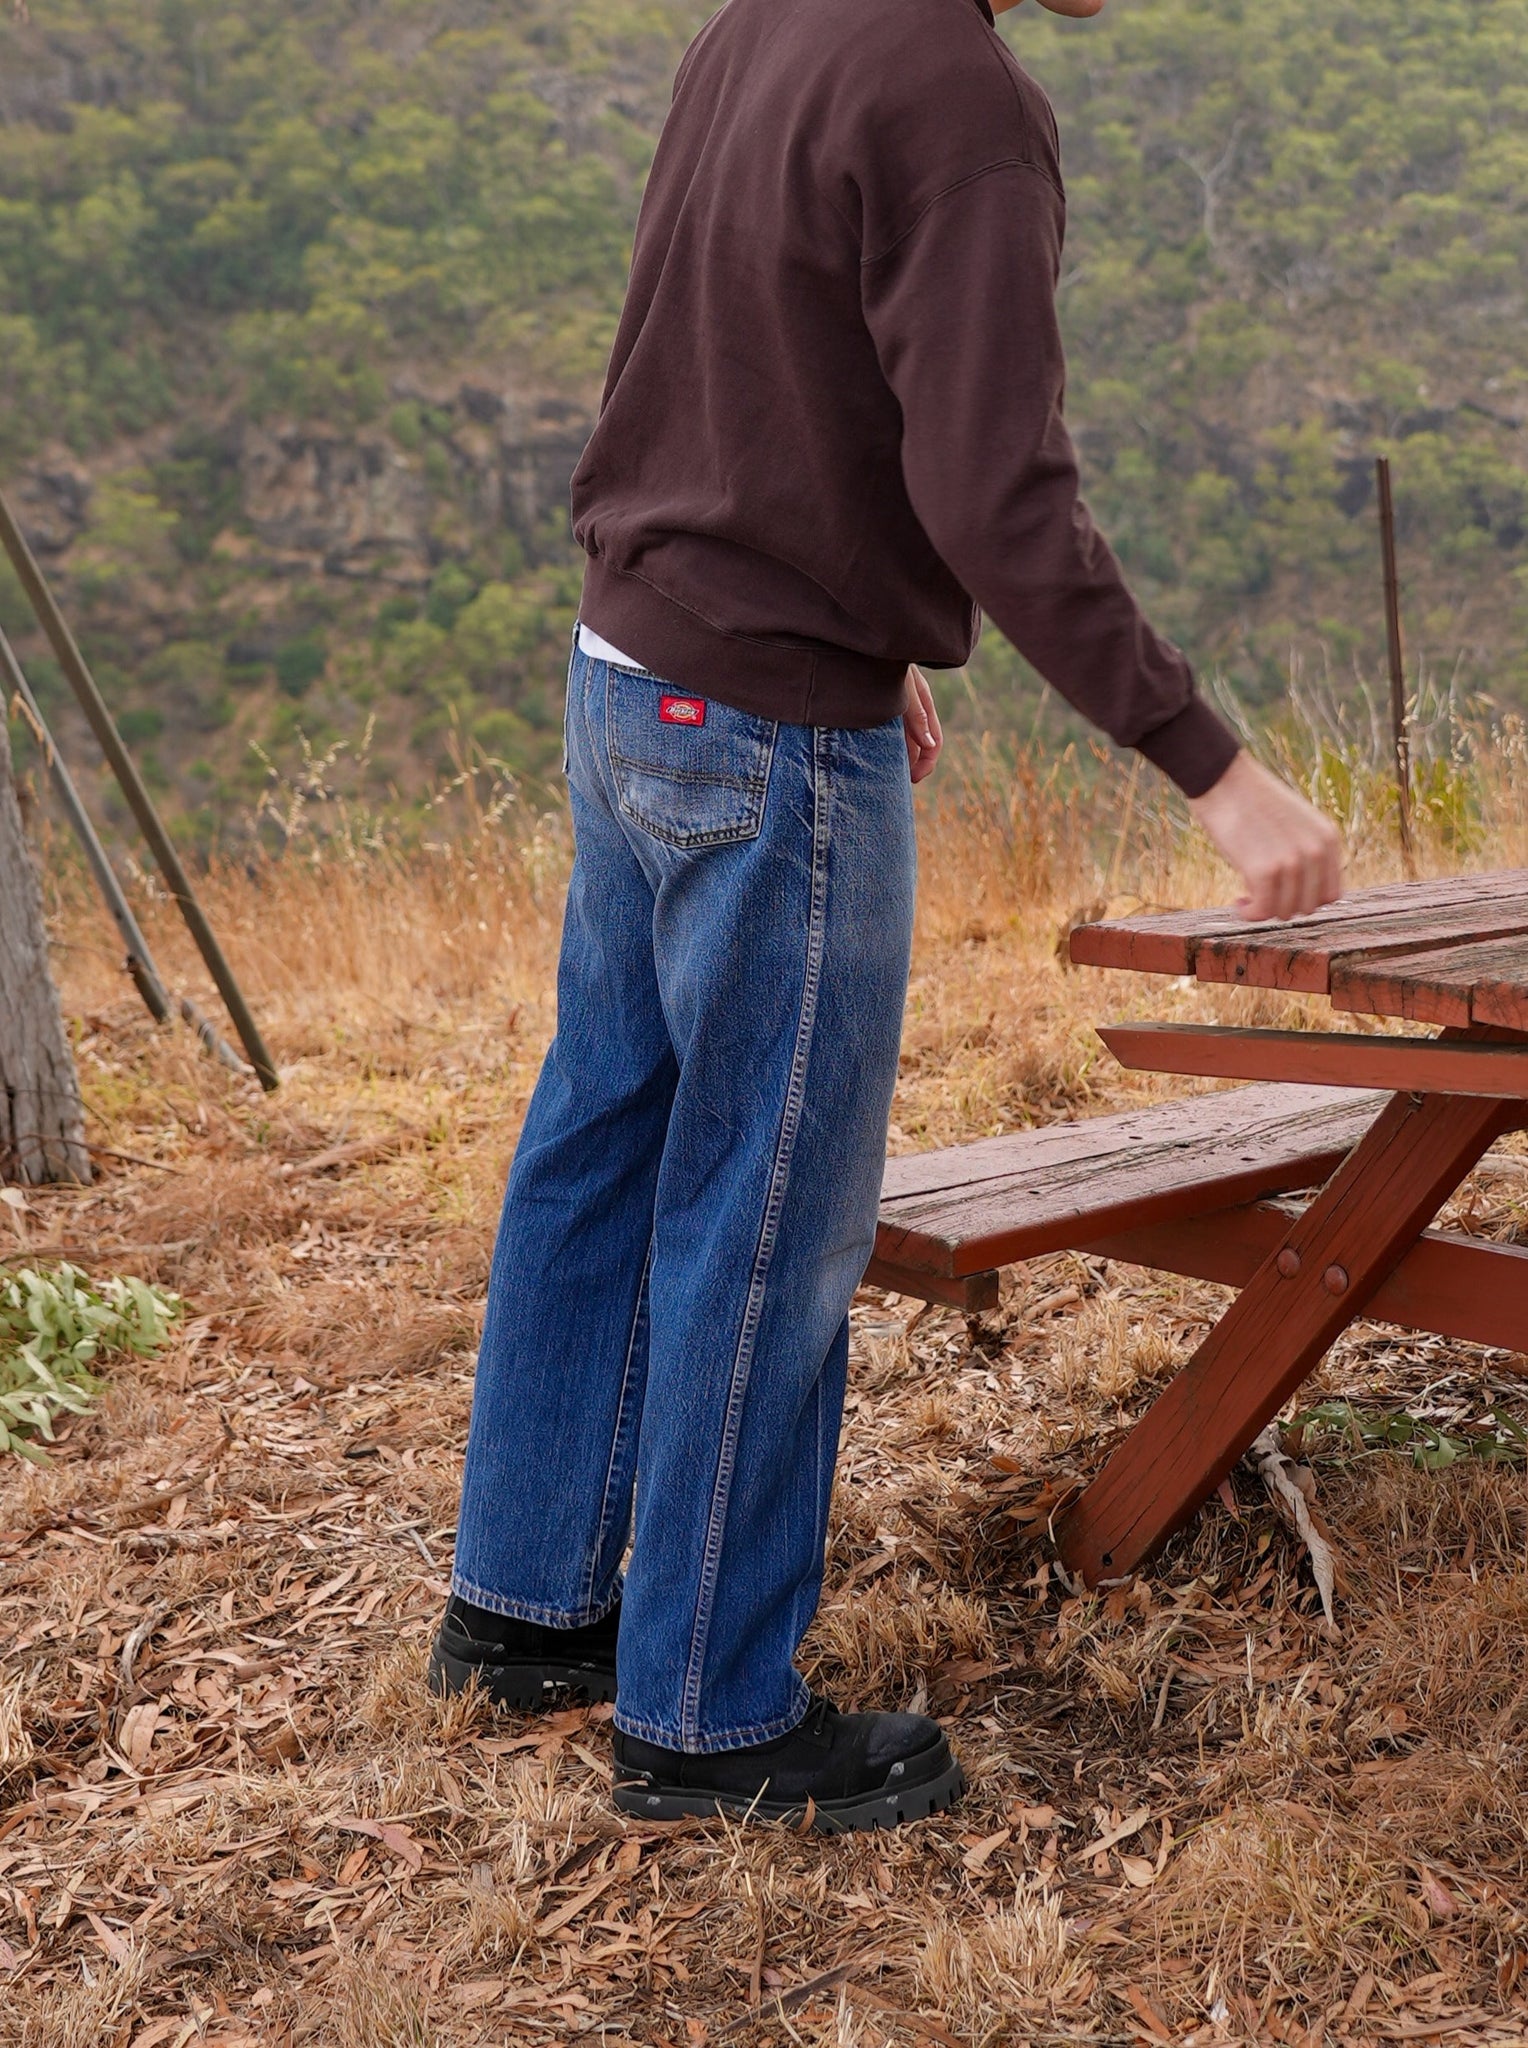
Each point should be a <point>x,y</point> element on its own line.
<point>852,1770</point>
<point>523,1663</point>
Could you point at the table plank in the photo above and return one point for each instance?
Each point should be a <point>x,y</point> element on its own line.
<point>1169,942</point>
<point>1480,984</point>
<point>974,1294</point>
<point>1321,1059</point>
<point>1503,1002</point>
<point>971,1207</point>
<point>1300,956</point>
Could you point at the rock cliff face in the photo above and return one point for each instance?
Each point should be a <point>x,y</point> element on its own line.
<point>359,505</point>
<point>356,504</point>
<point>51,499</point>
<point>237,580</point>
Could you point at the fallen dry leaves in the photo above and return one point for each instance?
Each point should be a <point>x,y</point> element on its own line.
<point>231,1816</point>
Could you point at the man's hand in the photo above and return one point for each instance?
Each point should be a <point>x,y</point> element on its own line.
<point>920,724</point>
<point>1289,856</point>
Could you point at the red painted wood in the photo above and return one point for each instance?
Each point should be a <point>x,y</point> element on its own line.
<point>1163,943</point>
<point>1449,1284</point>
<point>975,1293</point>
<point>1226,1246</point>
<point>1300,957</point>
<point>1364,1222</point>
<point>1500,994</point>
<point>973,1207</point>
<point>1436,987</point>
<point>1321,1058</point>
<point>1170,942</point>
<point>1500,1003</point>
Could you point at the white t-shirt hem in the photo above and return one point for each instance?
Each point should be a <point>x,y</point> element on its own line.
<point>597,649</point>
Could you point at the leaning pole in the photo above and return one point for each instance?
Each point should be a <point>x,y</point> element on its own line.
<point>145,976</point>
<point>122,765</point>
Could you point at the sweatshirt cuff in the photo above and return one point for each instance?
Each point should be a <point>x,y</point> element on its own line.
<point>1194,748</point>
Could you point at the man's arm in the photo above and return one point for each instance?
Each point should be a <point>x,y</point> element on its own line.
<point>962,311</point>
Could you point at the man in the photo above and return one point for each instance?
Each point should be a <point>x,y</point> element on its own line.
<point>832,428</point>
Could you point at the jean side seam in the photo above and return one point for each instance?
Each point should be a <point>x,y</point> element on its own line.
<point>790,1121</point>
<point>824,1457</point>
<point>622,1418</point>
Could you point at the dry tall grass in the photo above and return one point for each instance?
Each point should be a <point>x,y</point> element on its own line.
<point>232,1816</point>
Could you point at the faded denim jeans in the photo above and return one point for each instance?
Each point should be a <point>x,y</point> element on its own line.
<point>693,1200</point>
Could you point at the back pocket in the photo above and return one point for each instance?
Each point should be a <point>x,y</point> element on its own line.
<point>688,770</point>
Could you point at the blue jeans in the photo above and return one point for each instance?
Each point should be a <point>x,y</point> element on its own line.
<point>693,1200</point>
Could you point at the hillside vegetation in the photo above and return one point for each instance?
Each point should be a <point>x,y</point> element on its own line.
<point>303,310</point>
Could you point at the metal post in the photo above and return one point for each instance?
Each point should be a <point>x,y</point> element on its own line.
<point>140,962</point>
<point>72,662</point>
<point>1399,722</point>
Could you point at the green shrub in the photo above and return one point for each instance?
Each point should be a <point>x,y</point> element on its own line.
<point>142,723</point>
<point>300,663</point>
<point>54,1326</point>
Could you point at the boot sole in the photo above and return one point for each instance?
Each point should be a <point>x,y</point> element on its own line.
<point>522,1686</point>
<point>868,1810</point>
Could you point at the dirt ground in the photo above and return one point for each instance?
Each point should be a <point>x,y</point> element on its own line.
<point>229,1813</point>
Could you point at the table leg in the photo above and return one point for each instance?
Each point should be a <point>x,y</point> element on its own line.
<point>1335,1257</point>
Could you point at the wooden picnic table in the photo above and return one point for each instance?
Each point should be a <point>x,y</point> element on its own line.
<point>1452,953</point>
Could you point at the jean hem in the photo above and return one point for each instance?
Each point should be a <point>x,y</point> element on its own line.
<point>528,1610</point>
<point>722,1739</point>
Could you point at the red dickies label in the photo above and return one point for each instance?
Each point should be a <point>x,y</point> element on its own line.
<point>682,710</point>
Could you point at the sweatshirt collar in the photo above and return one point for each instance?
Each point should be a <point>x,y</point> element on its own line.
<point>983,7</point>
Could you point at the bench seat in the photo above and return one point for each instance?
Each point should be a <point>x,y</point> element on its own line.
<point>950,1219</point>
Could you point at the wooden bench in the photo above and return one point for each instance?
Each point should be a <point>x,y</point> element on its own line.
<point>950,1219</point>
<point>1451,952</point>
<point>1186,1187</point>
<point>1181,1187</point>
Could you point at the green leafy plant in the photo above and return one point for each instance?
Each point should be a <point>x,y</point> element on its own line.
<point>54,1326</point>
<point>1495,1437</point>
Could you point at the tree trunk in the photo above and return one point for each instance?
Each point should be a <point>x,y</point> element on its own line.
<point>42,1120</point>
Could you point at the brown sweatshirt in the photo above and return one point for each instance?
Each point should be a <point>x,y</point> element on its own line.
<point>832,426</point>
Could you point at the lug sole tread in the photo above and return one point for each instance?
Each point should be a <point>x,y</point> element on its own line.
<point>863,1814</point>
<point>522,1686</point>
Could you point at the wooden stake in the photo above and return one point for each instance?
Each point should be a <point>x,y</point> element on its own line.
<point>139,961</point>
<point>1399,722</point>
<point>72,662</point>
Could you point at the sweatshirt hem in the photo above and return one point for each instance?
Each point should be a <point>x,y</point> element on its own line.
<point>799,683</point>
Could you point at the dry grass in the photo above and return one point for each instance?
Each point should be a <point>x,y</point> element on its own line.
<point>232,1816</point>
